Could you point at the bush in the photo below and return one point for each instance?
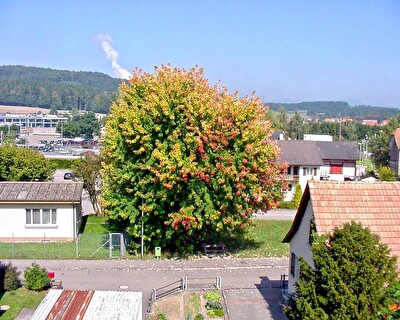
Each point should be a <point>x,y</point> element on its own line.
<point>36,278</point>
<point>386,174</point>
<point>212,296</point>
<point>287,205</point>
<point>160,316</point>
<point>11,278</point>
<point>211,305</point>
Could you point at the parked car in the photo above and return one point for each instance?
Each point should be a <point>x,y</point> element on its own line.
<point>69,176</point>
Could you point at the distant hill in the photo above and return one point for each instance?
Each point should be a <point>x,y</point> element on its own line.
<point>336,109</point>
<point>60,89</point>
<point>94,91</point>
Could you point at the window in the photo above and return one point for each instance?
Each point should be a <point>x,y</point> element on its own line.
<point>293,264</point>
<point>41,216</point>
<point>295,170</point>
<point>314,171</point>
<point>308,171</point>
<point>289,170</point>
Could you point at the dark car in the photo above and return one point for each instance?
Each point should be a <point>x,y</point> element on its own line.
<point>69,176</point>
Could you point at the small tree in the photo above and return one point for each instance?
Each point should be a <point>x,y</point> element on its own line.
<point>350,279</point>
<point>88,169</point>
<point>297,195</point>
<point>11,279</point>
<point>36,278</point>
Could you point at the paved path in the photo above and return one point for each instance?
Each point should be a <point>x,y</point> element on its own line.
<point>245,281</point>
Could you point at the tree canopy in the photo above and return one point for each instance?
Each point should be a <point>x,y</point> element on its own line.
<point>350,279</point>
<point>193,159</point>
<point>21,164</point>
<point>88,168</point>
<point>85,125</point>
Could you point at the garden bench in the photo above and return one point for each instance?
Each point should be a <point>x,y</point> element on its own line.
<point>214,249</point>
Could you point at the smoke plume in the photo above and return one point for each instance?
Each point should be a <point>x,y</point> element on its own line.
<point>112,55</point>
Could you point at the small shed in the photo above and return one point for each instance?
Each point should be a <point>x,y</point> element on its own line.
<point>37,211</point>
<point>90,305</point>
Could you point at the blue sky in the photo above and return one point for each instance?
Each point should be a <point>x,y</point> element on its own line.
<point>285,51</point>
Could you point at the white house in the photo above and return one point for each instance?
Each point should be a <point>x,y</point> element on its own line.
<point>329,204</point>
<point>36,211</point>
<point>317,160</point>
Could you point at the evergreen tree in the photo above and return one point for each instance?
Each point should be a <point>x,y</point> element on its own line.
<point>350,280</point>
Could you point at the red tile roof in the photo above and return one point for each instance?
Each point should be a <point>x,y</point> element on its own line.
<point>375,205</point>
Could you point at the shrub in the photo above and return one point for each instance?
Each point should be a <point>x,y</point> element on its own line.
<point>11,278</point>
<point>36,278</point>
<point>287,205</point>
<point>386,174</point>
<point>211,305</point>
<point>199,316</point>
<point>160,316</point>
<point>212,296</point>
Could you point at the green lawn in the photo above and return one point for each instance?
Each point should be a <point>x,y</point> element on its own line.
<point>264,240</point>
<point>19,299</point>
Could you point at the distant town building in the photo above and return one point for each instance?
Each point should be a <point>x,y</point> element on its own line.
<point>317,137</point>
<point>31,120</point>
<point>369,122</point>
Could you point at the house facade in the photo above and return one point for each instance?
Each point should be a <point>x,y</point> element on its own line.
<point>317,160</point>
<point>37,211</point>
<point>329,204</point>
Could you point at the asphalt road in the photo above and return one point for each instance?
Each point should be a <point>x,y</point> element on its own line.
<point>243,279</point>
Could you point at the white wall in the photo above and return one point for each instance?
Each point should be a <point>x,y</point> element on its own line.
<point>300,246</point>
<point>13,223</point>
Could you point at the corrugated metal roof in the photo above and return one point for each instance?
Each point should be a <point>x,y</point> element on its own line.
<point>46,305</point>
<point>114,305</point>
<point>41,191</point>
<point>88,305</point>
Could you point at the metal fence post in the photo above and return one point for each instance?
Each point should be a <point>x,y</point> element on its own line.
<point>12,247</point>
<point>76,247</point>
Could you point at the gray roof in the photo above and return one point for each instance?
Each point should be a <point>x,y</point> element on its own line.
<point>340,150</point>
<point>41,191</point>
<point>300,152</point>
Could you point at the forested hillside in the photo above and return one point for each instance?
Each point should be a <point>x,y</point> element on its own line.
<point>335,109</point>
<point>94,91</point>
<point>60,89</point>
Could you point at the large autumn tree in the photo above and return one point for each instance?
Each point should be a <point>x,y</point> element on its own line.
<point>193,159</point>
<point>350,279</point>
